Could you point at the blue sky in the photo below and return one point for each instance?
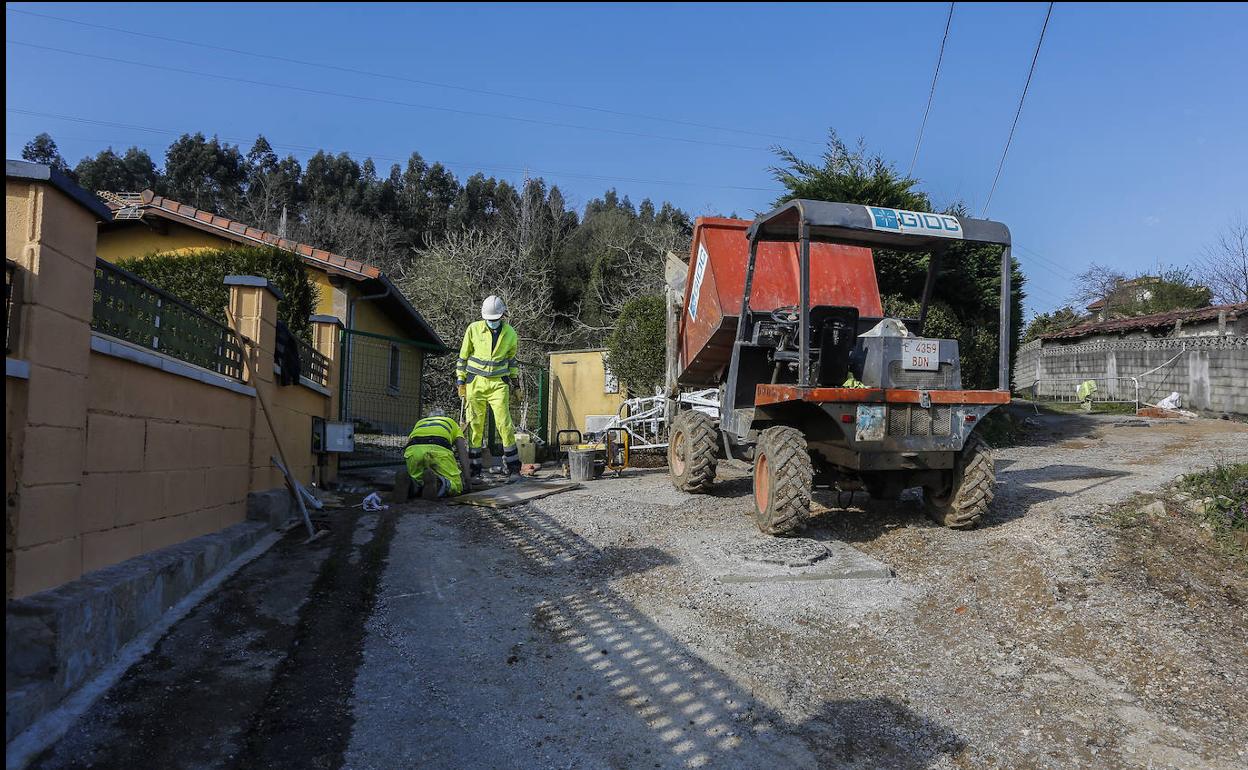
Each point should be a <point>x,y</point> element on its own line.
<point>1131,149</point>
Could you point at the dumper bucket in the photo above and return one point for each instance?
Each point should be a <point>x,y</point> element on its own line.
<point>842,276</point>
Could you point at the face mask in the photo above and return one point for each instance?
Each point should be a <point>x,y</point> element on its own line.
<point>494,324</point>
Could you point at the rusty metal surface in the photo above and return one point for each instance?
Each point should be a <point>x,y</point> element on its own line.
<point>841,276</point>
<point>776,394</point>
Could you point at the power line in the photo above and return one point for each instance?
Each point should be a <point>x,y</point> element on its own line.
<point>931,94</point>
<point>415,81</point>
<point>381,100</point>
<point>1056,266</point>
<point>466,164</point>
<point>1019,111</point>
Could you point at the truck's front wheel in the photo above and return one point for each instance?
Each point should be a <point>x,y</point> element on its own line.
<point>693,451</point>
<point>782,480</point>
<point>970,488</point>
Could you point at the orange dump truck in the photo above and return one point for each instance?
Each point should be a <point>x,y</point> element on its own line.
<point>817,387</point>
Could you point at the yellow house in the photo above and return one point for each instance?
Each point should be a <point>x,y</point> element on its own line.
<point>385,338</point>
<point>582,390</point>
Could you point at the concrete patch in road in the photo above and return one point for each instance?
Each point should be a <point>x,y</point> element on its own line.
<point>734,557</point>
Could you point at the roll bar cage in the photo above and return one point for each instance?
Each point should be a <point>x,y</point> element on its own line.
<point>872,226</point>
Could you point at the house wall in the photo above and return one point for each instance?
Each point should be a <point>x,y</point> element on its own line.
<point>577,389</point>
<point>114,450</point>
<point>138,240</point>
<point>1209,372</point>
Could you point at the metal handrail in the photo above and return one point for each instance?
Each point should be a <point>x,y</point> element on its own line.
<point>1035,390</point>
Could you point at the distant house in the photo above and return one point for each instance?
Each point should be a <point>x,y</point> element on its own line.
<point>1131,291</point>
<point>387,339</point>
<point>1217,320</point>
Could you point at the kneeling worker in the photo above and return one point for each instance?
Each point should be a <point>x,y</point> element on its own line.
<point>436,456</point>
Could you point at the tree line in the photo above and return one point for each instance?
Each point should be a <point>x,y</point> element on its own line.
<point>419,214</point>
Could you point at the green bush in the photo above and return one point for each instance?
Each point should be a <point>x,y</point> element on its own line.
<point>637,348</point>
<point>198,278</point>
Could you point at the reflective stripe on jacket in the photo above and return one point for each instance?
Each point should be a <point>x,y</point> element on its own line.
<point>480,357</point>
<point>440,431</point>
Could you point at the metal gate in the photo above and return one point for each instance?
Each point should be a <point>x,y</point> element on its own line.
<point>387,385</point>
<point>381,394</point>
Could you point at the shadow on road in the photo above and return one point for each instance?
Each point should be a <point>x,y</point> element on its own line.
<point>688,712</point>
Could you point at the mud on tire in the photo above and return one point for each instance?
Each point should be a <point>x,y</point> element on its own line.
<point>782,480</point>
<point>971,491</point>
<point>693,451</point>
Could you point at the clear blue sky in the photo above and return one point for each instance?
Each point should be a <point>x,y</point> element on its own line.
<point>1132,147</point>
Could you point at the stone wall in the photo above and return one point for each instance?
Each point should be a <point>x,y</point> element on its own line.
<point>1210,373</point>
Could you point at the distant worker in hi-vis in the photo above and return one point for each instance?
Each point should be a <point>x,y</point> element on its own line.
<point>489,379</point>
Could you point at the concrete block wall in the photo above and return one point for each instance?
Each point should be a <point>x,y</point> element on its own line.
<point>113,450</point>
<point>166,461</point>
<point>1210,373</point>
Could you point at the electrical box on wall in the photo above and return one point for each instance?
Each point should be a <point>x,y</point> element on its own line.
<point>332,436</point>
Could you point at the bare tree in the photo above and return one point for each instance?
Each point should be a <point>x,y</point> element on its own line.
<point>1098,283</point>
<point>338,229</point>
<point>1223,266</point>
<point>449,279</point>
<point>637,258</point>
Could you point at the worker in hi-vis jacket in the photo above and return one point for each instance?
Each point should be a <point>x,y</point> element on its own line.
<point>488,379</point>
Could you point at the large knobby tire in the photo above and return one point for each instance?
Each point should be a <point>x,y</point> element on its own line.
<point>973,486</point>
<point>693,451</point>
<point>782,480</point>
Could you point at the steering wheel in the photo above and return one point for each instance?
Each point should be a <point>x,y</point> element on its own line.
<point>786,314</point>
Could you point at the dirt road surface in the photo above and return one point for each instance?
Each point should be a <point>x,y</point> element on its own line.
<point>596,629</point>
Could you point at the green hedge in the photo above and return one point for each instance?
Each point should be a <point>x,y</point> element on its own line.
<point>198,278</point>
<point>637,348</point>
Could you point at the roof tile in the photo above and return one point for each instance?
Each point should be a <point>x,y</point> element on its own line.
<point>1152,321</point>
<point>161,204</point>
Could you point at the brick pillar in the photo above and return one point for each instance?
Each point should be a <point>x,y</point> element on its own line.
<point>253,304</point>
<point>51,237</point>
<point>326,338</point>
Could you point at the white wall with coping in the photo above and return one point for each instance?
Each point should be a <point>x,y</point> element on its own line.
<point>1210,373</point>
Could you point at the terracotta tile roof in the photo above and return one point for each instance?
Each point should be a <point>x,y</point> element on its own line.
<point>130,206</point>
<point>1154,321</point>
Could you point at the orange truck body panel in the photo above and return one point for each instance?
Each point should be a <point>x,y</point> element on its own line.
<point>842,276</point>
<point>778,394</point>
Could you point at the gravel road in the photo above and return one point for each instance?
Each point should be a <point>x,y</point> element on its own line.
<point>588,629</point>
<point>617,626</point>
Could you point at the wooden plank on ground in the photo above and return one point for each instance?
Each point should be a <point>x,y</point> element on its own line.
<point>513,494</point>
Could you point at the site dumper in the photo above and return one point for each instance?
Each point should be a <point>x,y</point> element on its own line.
<point>817,387</point>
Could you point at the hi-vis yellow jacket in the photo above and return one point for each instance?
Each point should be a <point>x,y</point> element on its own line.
<point>478,359</point>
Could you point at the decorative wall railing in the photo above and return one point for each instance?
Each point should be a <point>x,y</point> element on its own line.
<point>131,309</point>
<point>312,365</point>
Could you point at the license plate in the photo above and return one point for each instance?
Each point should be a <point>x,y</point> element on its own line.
<point>921,355</point>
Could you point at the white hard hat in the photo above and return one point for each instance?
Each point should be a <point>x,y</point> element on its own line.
<point>493,308</point>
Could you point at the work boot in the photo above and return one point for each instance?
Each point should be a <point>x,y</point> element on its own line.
<point>430,484</point>
<point>402,486</point>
